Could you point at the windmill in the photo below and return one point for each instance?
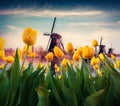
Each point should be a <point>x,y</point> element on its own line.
<point>110,50</point>
<point>53,37</point>
<point>101,47</point>
<point>52,42</point>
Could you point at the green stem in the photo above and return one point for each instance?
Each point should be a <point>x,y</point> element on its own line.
<point>12,100</point>
<point>25,56</point>
<point>71,59</point>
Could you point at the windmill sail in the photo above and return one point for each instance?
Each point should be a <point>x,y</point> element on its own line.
<point>51,33</point>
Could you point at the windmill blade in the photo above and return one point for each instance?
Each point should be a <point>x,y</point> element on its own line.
<point>53,25</point>
<point>101,40</point>
<point>48,44</point>
<point>51,33</point>
<point>61,41</point>
<point>46,34</point>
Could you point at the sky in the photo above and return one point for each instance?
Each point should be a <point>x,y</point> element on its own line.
<point>78,22</point>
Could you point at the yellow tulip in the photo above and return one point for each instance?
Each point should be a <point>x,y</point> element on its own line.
<point>24,67</point>
<point>117,64</point>
<point>29,36</point>
<point>2,54</point>
<point>96,66</point>
<point>94,61</point>
<point>33,54</point>
<point>113,56</point>
<point>19,54</point>
<point>39,65</point>
<point>70,47</point>
<point>80,50</point>
<point>101,56</point>
<point>47,67</point>
<point>9,59</point>
<point>64,62</point>
<point>58,53</point>
<point>59,76</point>
<point>2,66</point>
<point>87,52</point>
<point>2,43</point>
<point>89,76</point>
<point>57,69</point>
<point>94,43</point>
<point>76,56</point>
<point>49,56</point>
<point>55,66</point>
<point>99,73</point>
<point>29,50</point>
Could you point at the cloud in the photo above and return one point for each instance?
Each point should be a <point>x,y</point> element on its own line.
<point>12,27</point>
<point>118,22</point>
<point>50,12</point>
<point>91,24</point>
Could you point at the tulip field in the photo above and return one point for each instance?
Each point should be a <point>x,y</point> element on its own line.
<point>85,79</point>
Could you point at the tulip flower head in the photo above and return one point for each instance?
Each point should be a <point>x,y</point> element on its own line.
<point>64,62</point>
<point>58,53</point>
<point>39,65</point>
<point>57,69</point>
<point>33,54</point>
<point>80,50</point>
<point>117,64</point>
<point>101,56</point>
<point>70,47</point>
<point>112,56</point>
<point>96,66</point>
<point>29,49</point>
<point>2,43</point>
<point>76,56</point>
<point>9,59</point>
<point>2,54</point>
<point>59,76</point>
<point>49,56</point>
<point>99,73</point>
<point>94,61</point>
<point>87,52</point>
<point>2,66</point>
<point>29,36</point>
<point>94,43</point>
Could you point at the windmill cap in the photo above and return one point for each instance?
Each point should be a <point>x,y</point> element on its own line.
<point>55,36</point>
<point>111,49</point>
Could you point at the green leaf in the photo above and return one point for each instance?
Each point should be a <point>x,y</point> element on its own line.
<point>32,96</point>
<point>43,95</point>
<point>94,99</point>
<point>54,89</point>
<point>26,86</point>
<point>101,82</point>
<point>29,70</point>
<point>64,76</point>
<point>88,82</point>
<point>113,93</point>
<point>4,87</point>
<point>72,80</point>
<point>8,72</point>
<point>15,74</point>
<point>68,95</point>
<point>2,73</point>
